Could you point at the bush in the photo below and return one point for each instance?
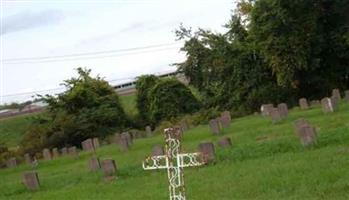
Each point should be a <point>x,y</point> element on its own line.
<point>169,99</point>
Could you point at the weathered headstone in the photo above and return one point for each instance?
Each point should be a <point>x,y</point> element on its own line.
<point>157,150</point>
<point>303,103</point>
<point>55,153</point>
<point>275,115</point>
<point>225,119</point>
<point>124,141</point>
<point>148,131</point>
<point>315,103</point>
<point>28,158</point>
<point>117,137</point>
<point>87,145</point>
<point>109,169</point>
<point>266,109</point>
<point>283,110</point>
<point>11,163</point>
<point>208,152</point>
<point>31,180</point>
<point>328,105</point>
<point>347,95</point>
<point>95,143</point>
<point>47,154</point>
<point>215,126</point>
<point>94,164</point>
<point>306,132</point>
<point>64,151</point>
<point>72,151</point>
<point>224,142</point>
<point>336,94</point>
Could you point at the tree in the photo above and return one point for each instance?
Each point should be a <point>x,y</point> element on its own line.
<point>89,107</point>
<point>170,98</point>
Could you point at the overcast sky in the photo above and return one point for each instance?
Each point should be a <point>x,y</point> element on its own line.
<point>37,28</point>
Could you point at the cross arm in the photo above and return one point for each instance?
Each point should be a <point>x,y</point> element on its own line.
<point>190,159</point>
<point>155,162</point>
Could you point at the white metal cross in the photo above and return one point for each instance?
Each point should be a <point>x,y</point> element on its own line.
<point>174,162</point>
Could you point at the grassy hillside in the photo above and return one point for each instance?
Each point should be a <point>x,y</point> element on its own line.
<point>265,162</point>
<point>129,104</point>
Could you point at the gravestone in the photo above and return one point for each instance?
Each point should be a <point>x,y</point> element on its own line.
<point>47,154</point>
<point>303,103</point>
<point>109,169</point>
<point>87,145</point>
<point>28,158</point>
<point>55,153</point>
<point>315,103</point>
<point>336,94</point>
<point>215,126</point>
<point>124,141</point>
<point>11,163</point>
<point>275,115</point>
<point>283,110</point>
<point>224,142</point>
<point>95,143</point>
<point>347,95</point>
<point>64,151</point>
<point>31,180</point>
<point>148,131</point>
<point>208,152</point>
<point>305,132</point>
<point>157,150</point>
<point>328,105</point>
<point>94,164</point>
<point>266,109</point>
<point>73,152</point>
<point>117,137</point>
<point>225,119</point>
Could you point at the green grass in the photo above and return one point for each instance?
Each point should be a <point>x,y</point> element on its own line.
<point>129,104</point>
<point>12,129</point>
<point>266,161</point>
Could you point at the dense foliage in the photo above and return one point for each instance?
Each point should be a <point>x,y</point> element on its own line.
<point>272,51</point>
<point>170,98</point>
<point>143,85</point>
<point>89,107</point>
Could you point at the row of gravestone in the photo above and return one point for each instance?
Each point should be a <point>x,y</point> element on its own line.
<point>219,123</point>
<point>276,113</point>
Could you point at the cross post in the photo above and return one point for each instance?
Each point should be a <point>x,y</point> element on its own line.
<point>174,162</point>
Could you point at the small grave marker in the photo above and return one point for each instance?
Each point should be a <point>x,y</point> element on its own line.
<point>283,110</point>
<point>266,109</point>
<point>303,104</point>
<point>95,142</point>
<point>157,150</point>
<point>208,152</point>
<point>109,169</point>
<point>47,154</point>
<point>148,131</point>
<point>94,164</point>
<point>28,158</point>
<point>31,180</point>
<point>225,119</point>
<point>328,105</point>
<point>215,126</point>
<point>224,142</point>
<point>306,132</point>
<point>64,151</point>
<point>87,145</point>
<point>336,94</point>
<point>72,151</point>
<point>275,115</point>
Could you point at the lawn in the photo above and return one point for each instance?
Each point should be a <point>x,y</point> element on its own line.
<point>266,161</point>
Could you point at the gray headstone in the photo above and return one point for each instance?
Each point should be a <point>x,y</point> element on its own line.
<point>224,142</point>
<point>208,152</point>
<point>11,163</point>
<point>306,132</point>
<point>347,95</point>
<point>31,180</point>
<point>303,103</point>
<point>215,126</point>
<point>225,119</point>
<point>55,153</point>
<point>117,137</point>
<point>266,109</point>
<point>28,158</point>
<point>157,150</point>
<point>87,145</point>
<point>109,169</point>
<point>94,164</point>
<point>328,105</point>
<point>72,151</point>
<point>47,154</point>
<point>64,151</point>
<point>148,131</point>
<point>336,94</point>
<point>96,144</point>
<point>283,110</point>
<point>275,115</point>
<point>124,141</point>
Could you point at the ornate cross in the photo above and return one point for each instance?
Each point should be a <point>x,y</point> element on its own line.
<point>174,162</point>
